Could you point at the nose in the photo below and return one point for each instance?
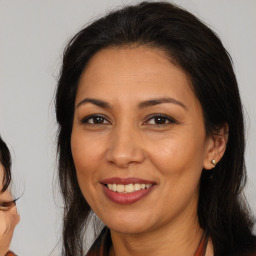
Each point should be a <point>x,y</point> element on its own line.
<point>125,147</point>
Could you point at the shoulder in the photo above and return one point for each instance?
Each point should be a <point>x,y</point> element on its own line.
<point>251,253</point>
<point>101,245</point>
<point>10,254</point>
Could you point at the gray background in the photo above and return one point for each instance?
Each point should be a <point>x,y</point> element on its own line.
<point>33,34</point>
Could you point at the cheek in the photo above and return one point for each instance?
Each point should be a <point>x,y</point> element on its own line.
<point>86,152</point>
<point>174,155</point>
<point>84,160</point>
<point>179,160</point>
<point>85,156</point>
<point>179,163</point>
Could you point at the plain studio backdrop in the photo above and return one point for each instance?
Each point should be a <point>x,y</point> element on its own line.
<point>33,34</point>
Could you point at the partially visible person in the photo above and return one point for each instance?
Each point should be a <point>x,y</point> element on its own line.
<point>9,217</point>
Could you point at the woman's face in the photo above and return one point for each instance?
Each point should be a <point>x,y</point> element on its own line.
<point>138,140</point>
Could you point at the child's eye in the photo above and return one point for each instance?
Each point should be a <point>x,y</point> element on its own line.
<point>95,119</point>
<point>5,206</point>
<point>160,119</point>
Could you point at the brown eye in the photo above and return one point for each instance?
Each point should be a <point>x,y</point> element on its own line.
<point>160,120</point>
<point>94,120</point>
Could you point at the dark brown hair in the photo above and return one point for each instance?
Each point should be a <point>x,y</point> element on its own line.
<point>192,46</point>
<point>5,160</point>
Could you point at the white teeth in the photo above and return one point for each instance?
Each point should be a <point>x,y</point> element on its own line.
<point>137,187</point>
<point>129,188</point>
<point>120,188</point>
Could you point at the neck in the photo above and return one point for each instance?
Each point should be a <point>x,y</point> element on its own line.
<point>180,237</point>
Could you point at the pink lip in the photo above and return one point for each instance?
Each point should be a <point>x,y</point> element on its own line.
<point>126,198</point>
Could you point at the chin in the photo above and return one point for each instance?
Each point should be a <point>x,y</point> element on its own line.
<point>128,225</point>
<point>128,229</point>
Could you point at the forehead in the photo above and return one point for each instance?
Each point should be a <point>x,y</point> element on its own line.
<point>129,61</point>
<point>141,71</point>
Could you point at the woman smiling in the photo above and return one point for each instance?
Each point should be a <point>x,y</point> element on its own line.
<point>151,137</point>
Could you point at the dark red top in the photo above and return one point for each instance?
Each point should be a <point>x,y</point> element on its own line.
<point>10,254</point>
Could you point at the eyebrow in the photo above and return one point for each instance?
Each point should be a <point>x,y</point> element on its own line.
<point>99,103</point>
<point>154,102</point>
<point>144,104</point>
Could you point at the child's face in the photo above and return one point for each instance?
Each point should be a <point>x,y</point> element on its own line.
<point>9,217</point>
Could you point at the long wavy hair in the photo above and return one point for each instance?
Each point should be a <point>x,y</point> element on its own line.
<point>198,51</point>
<point>5,160</point>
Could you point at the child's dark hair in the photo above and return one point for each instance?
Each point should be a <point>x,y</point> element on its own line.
<point>5,160</point>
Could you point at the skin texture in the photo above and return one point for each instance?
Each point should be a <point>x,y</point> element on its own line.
<point>128,142</point>
<point>8,219</point>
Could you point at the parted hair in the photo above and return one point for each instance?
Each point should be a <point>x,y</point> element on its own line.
<point>197,50</point>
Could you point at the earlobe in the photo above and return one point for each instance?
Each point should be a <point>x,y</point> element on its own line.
<point>216,147</point>
<point>213,162</point>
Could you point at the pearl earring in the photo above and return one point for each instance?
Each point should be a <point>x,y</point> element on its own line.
<point>213,162</point>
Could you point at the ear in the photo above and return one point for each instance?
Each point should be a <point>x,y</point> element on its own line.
<point>216,147</point>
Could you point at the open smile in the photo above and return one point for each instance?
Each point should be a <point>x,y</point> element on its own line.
<point>130,188</point>
<point>126,191</point>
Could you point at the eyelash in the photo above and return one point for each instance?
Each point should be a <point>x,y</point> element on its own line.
<point>161,117</point>
<point>102,120</point>
<point>94,117</point>
<point>5,206</point>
